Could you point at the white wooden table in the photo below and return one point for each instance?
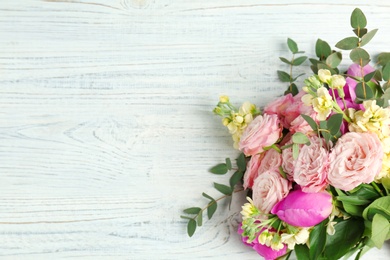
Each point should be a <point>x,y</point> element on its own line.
<point>106,130</point>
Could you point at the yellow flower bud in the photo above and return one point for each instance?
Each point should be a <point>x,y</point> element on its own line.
<point>337,82</point>
<point>224,99</point>
<point>225,121</point>
<point>324,75</point>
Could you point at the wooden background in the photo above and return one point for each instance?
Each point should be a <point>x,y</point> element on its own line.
<point>106,130</point>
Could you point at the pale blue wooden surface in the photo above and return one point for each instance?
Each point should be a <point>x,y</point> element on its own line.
<point>106,130</point>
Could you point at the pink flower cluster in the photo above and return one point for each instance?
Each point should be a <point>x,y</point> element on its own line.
<point>295,187</point>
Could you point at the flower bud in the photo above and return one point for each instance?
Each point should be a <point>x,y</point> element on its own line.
<point>337,82</point>
<point>302,209</point>
<point>225,121</point>
<point>224,99</point>
<point>324,75</point>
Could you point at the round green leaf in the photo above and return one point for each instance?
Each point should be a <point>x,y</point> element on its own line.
<point>292,45</point>
<point>358,19</point>
<point>367,37</point>
<point>219,169</point>
<point>348,43</point>
<point>360,56</point>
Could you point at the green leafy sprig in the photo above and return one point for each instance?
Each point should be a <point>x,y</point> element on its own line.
<point>227,190</point>
<point>295,61</point>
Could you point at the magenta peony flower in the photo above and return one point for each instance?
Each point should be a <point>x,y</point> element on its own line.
<point>267,252</point>
<point>312,165</point>
<point>262,132</point>
<point>302,209</point>
<point>356,71</point>
<point>355,159</point>
<point>268,189</point>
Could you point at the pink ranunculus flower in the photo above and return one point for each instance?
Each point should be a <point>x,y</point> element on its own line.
<point>355,159</point>
<point>271,160</point>
<point>279,106</point>
<point>262,132</point>
<point>268,189</point>
<point>302,209</point>
<point>252,170</point>
<point>312,165</point>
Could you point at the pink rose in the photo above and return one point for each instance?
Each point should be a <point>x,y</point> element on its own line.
<point>262,132</point>
<point>252,170</point>
<point>301,125</point>
<point>268,189</point>
<point>288,162</point>
<point>311,167</point>
<point>302,209</point>
<point>279,107</point>
<point>356,158</point>
<point>271,160</point>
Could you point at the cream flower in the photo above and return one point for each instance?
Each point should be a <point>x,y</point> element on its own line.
<point>323,103</point>
<point>300,237</point>
<point>337,82</point>
<point>324,75</point>
<point>249,209</point>
<point>374,119</point>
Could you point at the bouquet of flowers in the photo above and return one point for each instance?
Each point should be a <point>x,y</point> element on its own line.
<point>315,162</point>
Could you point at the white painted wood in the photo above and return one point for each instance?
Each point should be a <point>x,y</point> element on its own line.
<point>106,130</point>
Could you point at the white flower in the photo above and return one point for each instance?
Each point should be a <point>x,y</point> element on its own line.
<point>301,237</point>
<point>324,75</point>
<point>337,82</point>
<point>322,104</point>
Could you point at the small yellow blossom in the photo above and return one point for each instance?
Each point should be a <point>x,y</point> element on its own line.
<point>324,75</point>
<point>224,99</point>
<point>322,104</point>
<point>337,82</point>
<point>249,209</point>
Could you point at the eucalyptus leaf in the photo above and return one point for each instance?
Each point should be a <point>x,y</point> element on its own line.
<point>298,61</point>
<point>380,229</point>
<point>228,163</point>
<point>363,91</point>
<point>292,45</point>
<point>223,188</point>
<point>360,56</point>
<point>191,227</point>
<point>300,138</point>
<point>207,196</point>
<point>360,32</point>
<point>386,72</point>
<point>241,162</point>
<point>283,76</point>
<point>219,169</point>
<point>334,59</point>
<point>370,76</point>
<point>285,60</point>
<point>295,149</point>
<point>334,123</point>
<point>212,207</point>
<point>200,220</point>
<point>193,210</point>
<point>236,178</point>
<point>293,89</point>
<point>310,121</point>
<point>348,43</point>
<point>358,19</point>
<point>383,58</point>
<point>323,49</point>
<point>367,37</point>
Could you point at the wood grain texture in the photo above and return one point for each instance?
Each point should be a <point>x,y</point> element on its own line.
<point>106,128</point>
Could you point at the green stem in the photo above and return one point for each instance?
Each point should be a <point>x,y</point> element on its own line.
<point>376,187</point>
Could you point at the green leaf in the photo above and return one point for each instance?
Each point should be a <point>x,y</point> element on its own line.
<point>317,240</point>
<point>186,217</point>
<point>353,210</point>
<point>360,56</point>
<point>292,46</point>
<point>310,121</point>
<point>295,149</point>
<point>300,138</point>
<point>323,49</point>
<point>381,205</point>
<point>208,196</point>
<point>191,227</point>
<point>334,123</point>
<point>285,60</point>
<point>241,162</point>
<point>200,220</point>
<point>298,61</point>
<point>348,233</point>
<point>367,37</point>
<point>348,43</point>
<point>353,200</point>
<point>302,252</point>
<point>358,19</point>
<point>293,89</point>
<point>369,76</point>
<point>219,169</point>
<point>365,191</point>
<point>383,58</point>
<point>386,72</point>
<point>283,76</point>
<point>363,91</point>
<point>223,188</point>
<point>334,59</point>
<point>228,163</point>
<point>294,79</point>
<point>212,207</point>
<point>380,229</point>
<point>193,210</point>
<point>236,178</point>
<point>360,32</point>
